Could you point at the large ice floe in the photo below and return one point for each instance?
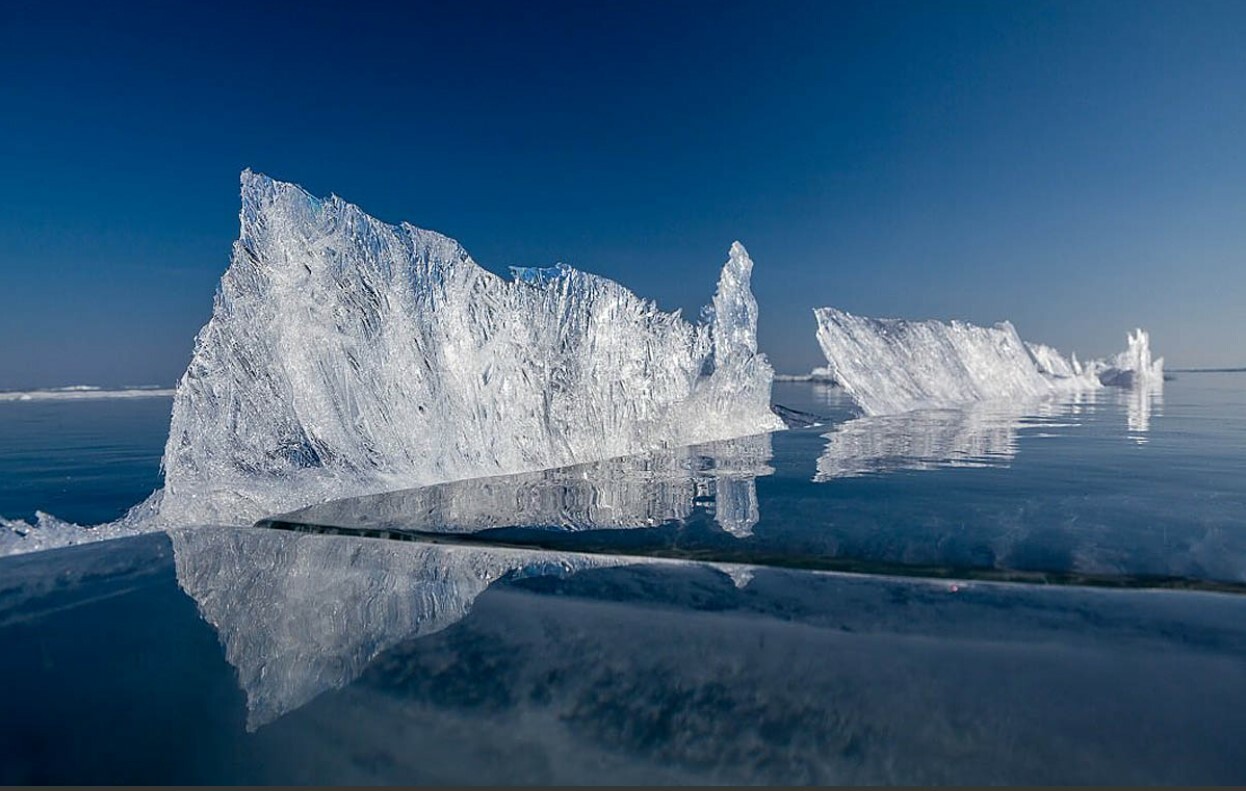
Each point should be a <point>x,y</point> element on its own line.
<point>891,366</point>
<point>347,356</point>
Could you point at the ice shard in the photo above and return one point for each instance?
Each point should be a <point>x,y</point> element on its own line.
<point>346,356</point>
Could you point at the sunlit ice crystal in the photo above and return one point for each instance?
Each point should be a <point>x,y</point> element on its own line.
<point>346,356</point>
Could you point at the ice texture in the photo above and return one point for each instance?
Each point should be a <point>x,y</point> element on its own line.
<point>346,356</point>
<point>18,536</point>
<point>1052,363</point>
<point>891,366</point>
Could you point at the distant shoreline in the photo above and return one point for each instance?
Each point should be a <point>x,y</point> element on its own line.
<point>1207,370</point>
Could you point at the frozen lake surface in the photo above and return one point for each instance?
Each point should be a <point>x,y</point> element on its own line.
<point>1001,594</point>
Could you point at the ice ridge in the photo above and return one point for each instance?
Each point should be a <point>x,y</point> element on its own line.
<point>346,356</point>
<point>891,366</point>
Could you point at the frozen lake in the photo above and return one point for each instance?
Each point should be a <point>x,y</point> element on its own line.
<point>992,595</point>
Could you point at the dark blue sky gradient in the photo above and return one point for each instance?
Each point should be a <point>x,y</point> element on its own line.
<point>1078,168</point>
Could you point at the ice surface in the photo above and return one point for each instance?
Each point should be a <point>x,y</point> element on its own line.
<point>265,590</point>
<point>890,366</point>
<point>596,653</point>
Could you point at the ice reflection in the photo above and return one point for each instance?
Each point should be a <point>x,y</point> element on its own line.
<point>633,491</point>
<point>1141,400</point>
<point>301,614</point>
<point>982,434</point>
<point>666,672</point>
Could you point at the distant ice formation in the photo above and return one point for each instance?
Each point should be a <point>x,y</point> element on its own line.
<point>84,393</point>
<point>1134,366</point>
<point>820,374</point>
<point>890,366</point>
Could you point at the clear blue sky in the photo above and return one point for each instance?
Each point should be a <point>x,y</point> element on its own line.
<point>1078,168</point>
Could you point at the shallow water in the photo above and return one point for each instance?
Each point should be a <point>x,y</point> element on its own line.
<point>1036,595</point>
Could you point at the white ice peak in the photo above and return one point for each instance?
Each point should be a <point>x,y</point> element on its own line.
<point>347,356</point>
<point>1134,366</point>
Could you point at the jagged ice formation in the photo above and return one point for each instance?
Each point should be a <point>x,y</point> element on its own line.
<point>347,356</point>
<point>891,366</point>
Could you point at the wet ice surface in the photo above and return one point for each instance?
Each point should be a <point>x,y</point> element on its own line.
<point>653,619</point>
<point>354,660</point>
<point>1081,489</point>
